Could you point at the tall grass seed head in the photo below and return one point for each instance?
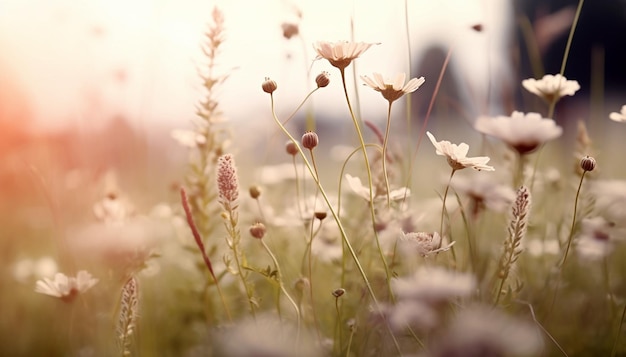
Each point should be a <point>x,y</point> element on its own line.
<point>227,182</point>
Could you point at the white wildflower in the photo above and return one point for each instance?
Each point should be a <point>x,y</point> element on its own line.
<point>457,155</point>
<point>434,284</point>
<point>393,89</point>
<point>363,191</point>
<point>64,287</point>
<point>522,132</point>
<point>551,87</point>
<point>340,54</point>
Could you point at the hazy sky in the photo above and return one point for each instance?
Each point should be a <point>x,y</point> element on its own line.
<point>82,62</point>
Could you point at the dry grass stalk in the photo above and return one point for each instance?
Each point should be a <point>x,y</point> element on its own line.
<point>129,312</point>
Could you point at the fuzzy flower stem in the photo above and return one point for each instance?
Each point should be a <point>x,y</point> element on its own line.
<point>342,231</point>
<point>282,288</point>
<point>369,181</point>
<point>198,239</point>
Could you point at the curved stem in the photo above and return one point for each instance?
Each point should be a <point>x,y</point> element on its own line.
<point>571,232</point>
<point>342,231</point>
<point>282,287</point>
<point>344,236</point>
<point>369,181</point>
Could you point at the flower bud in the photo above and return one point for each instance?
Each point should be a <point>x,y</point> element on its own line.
<point>339,292</point>
<point>291,148</point>
<point>310,140</point>
<point>588,163</point>
<point>320,215</point>
<point>255,192</point>
<point>269,86</point>
<point>258,230</point>
<point>322,79</point>
<point>289,30</point>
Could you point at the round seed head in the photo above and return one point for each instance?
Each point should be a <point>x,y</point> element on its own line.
<point>339,292</point>
<point>258,230</point>
<point>291,148</point>
<point>269,86</point>
<point>255,192</point>
<point>310,140</point>
<point>588,163</point>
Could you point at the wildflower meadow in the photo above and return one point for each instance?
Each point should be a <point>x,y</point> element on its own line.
<point>415,234</point>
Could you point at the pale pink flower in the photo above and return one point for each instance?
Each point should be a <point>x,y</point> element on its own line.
<point>457,155</point>
<point>551,87</point>
<point>340,54</point>
<point>393,89</point>
<point>522,132</point>
<point>64,287</point>
<point>363,191</point>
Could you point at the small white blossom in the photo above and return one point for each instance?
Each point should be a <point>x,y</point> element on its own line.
<point>541,247</point>
<point>522,132</point>
<point>425,243</point>
<point>64,287</point>
<point>597,238</point>
<point>340,54</point>
<point>393,89</point>
<point>363,191</point>
<point>551,87</point>
<point>619,117</point>
<point>457,155</point>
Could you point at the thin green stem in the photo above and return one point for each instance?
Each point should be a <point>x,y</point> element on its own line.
<point>282,287</point>
<point>369,182</point>
<point>344,236</point>
<point>385,141</point>
<point>443,208</point>
<point>342,231</point>
<point>571,232</point>
<point>570,38</point>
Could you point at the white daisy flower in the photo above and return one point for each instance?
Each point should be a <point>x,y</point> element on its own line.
<point>522,132</point>
<point>619,117</point>
<point>340,54</point>
<point>363,191</point>
<point>457,155</point>
<point>424,243</point>
<point>393,89</point>
<point>64,287</point>
<point>551,87</point>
